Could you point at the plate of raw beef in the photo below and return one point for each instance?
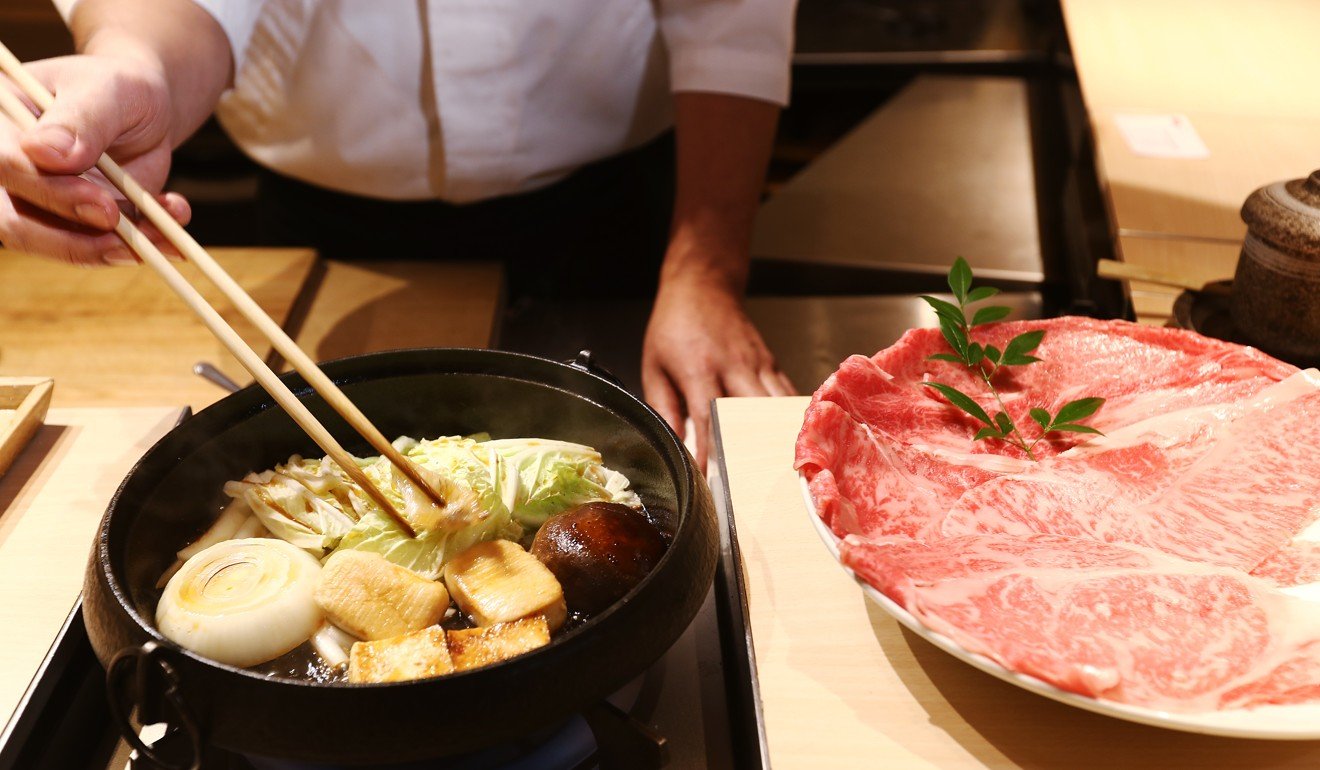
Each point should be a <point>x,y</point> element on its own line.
<point>1165,572</point>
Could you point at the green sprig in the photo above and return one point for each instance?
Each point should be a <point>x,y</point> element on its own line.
<point>986,360</point>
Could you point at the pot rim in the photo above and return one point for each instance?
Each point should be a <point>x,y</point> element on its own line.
<point>686,489</point>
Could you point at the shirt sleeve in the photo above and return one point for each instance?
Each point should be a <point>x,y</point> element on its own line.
<point>740,47</point>
<point>237,18</point>
<point>65,8</point>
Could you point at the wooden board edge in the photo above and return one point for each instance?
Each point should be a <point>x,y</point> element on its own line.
<point>28,416</point>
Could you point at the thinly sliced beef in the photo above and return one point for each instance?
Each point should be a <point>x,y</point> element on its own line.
<point>1118,566</point>
<point>1222,485</point>
<point>865,482</point>
<point>1139,370</point>
<point>1295,564</point>
<point>903,435</point>
<point>1127,624</point>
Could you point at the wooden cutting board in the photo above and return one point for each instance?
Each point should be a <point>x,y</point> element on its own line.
<point>23,405</point>
<point>51,502</point>
<point>842,684</point>
<point>119,337</point>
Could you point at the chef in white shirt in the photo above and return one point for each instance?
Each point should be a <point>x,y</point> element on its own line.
<point>542,120</point>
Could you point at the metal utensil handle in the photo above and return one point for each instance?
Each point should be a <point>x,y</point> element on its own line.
<point>117,687</point>
<point>213,375</point>
<point>586,362</point>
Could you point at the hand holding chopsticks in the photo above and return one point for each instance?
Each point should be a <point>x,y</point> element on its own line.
<point>11,105</point>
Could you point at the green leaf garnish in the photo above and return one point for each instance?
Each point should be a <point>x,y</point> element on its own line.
<point>985,360</point>
<point>1074,428</point>
<point>988,314</point>
<point>956,336</point>
<point>1015,352</point>
<point>980,293</point>
<point>960,279</point>
<point>945,357</point>
<point>946,310</point>
<point>961,400</point>
<point>1078,410</point>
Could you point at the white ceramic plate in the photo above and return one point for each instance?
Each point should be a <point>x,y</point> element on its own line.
<point>1291,723</point>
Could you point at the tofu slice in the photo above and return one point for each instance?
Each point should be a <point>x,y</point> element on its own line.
<point>411,656</point>
<point>476,647</point>
<point>372,598</point>
<point>497,581</point>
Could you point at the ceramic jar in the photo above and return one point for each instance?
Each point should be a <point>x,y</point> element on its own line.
<point>1276,291</point>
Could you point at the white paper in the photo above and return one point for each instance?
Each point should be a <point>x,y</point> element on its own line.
<point>1161,136</point>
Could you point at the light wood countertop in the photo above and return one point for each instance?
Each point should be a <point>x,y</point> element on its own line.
<point>1218,56</point>
<point>51,502</point>
<point>1243,74</point>
<point>1200,197</point>
<point>365,307</point>
<point>843,685</point>
<point>119,337</point>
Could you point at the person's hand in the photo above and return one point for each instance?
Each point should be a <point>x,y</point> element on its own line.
<point>119,104</point>
<point>701,345</point>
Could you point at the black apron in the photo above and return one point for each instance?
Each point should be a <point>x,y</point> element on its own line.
<point>601,232</point>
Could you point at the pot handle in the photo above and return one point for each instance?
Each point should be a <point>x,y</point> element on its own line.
<point>586,362</point>
<point>141,677</point>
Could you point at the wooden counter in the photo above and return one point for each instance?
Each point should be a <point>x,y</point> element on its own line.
<point>1215,56</point>
<point>51,502</point>
<point>1243,74</point>
<point>842,684</point>
<point>119,337</point>
<point>365,307</point>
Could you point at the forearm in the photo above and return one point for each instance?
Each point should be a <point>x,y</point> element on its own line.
<point>724,146</point>
<point>180,39</point>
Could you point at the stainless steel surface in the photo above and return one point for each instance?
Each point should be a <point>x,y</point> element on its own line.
<point>811,335</point>
<point>945,169</point>
<point>914,32</point>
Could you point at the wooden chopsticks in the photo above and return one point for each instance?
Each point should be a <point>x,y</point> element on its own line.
<point>187,246</point>
<point>1125,271</point>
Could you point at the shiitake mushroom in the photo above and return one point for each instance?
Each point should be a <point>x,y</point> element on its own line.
<point>598,552</point>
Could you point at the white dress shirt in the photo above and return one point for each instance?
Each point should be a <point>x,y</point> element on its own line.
<point>463,100</point>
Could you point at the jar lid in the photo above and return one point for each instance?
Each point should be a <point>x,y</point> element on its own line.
<point>1287,216</point>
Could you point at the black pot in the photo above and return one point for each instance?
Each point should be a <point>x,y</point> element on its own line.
<point>174,493</point>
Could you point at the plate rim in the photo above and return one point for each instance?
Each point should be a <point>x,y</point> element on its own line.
<point>1217,723</point>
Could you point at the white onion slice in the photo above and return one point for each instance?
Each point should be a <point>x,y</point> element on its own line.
<point>242,602</point>
<point>223,528</point>
<point>250,528</point>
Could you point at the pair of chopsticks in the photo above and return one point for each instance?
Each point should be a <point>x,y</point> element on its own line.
<point>18,112</point>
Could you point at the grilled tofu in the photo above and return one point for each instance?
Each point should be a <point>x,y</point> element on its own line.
<point>497,581</point>
<point>371,598</point>
<point>411,656</point>
<point>476,647</point>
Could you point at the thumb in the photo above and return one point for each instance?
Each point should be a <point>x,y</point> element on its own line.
<point>85,119</point>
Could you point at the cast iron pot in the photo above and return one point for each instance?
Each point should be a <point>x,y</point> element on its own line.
<point>174,493</point>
